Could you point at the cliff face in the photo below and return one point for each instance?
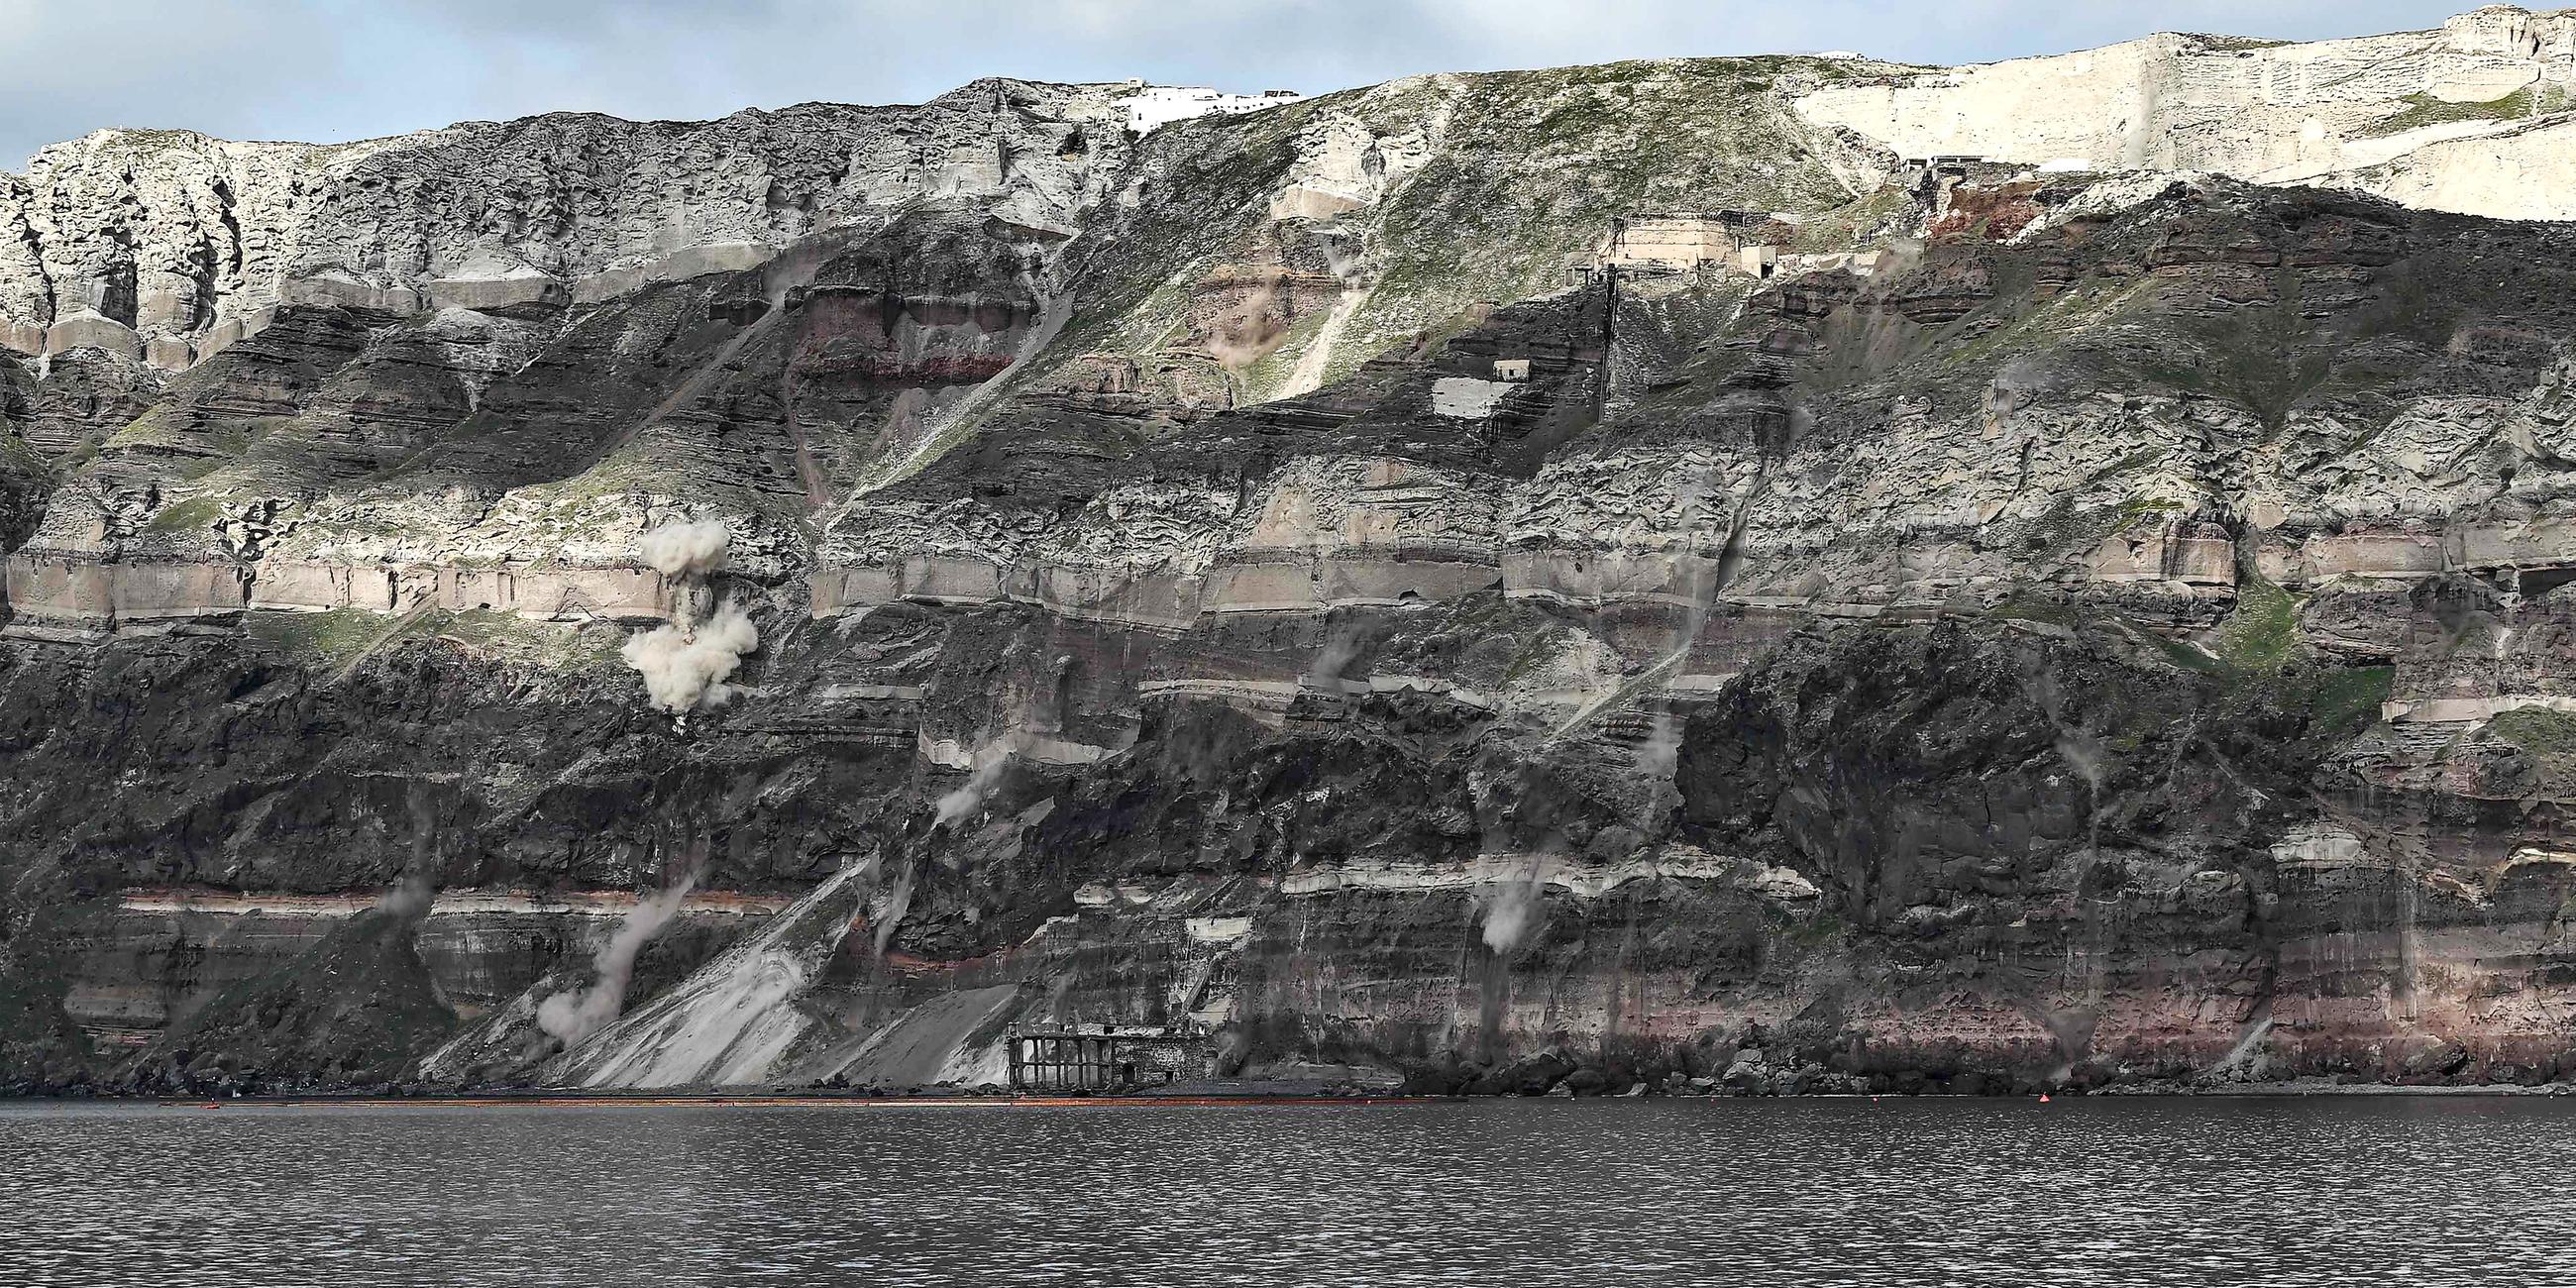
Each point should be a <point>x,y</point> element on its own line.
<point>1287,578</point>
<point>171,245</point>
<point>2459,118</point>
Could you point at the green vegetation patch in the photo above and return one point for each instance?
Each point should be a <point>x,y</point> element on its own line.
<point>2263,633</point>
<point>340,637</point>
<point>2238,44</point>
<point>195,514</point>
<point>2536,729</point>
<point>2026,607</point>
<point>1818,929</point>
<point>560,646</point>
<point>1972,349</point>
<point>2424,109</point>
<point>335,637</point>
<point>2347,700</point>
<point>2259,653</point>
<point>2257,669</point>
<point>1267,376</point>
<point>1854,225</point>
<point>17,455</point>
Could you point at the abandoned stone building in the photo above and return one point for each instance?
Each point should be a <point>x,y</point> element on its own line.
<point>1103,1057</point>
<point>1723,241</point>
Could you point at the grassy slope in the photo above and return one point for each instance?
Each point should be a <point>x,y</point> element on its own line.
<point>1525,173</point>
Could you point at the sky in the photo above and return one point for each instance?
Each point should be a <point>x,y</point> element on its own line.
<point>333,70</point>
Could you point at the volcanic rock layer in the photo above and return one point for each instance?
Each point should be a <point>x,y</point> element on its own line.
<point>1696,574</point>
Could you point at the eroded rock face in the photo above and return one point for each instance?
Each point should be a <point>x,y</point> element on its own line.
<point>1267,581</point>
<point>2456,118</point>
<point>171,245</point>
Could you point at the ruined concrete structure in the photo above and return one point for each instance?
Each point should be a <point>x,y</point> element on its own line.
<point>1103,1057</point>
<point>2461,118</point>
<point>2057,627</point>
<point>1743,241</point>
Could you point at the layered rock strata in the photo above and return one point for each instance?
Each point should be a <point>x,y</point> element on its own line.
<point>1293,594</point>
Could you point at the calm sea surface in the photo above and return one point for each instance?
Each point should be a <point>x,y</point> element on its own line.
<point>2377,1191</point>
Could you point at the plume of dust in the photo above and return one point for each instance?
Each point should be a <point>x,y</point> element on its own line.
<point>685,665</point>
<point>903,427</point>
<point>571,1016</point>
<point>2086,752</point>
<point>2247,1055</point>
<point>2082,749</point>
<point>1233,1047</point>
<point>1248,332</point>
<point>685,547</point>
<point>2020,383</point>
<point>990,761</point>
<point>1511,913</point>
<point>889,911</point>
<point>1696,495</point>
<point>1344,264</point>
<point>2040,682</point>
<point>1663,750</point>
<point>1335,655</point>
<point>685,662</point>
<point>1508,916</point>
<point>411,896</point>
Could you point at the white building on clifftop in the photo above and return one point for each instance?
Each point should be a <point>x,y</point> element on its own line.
<point>1152,106</point>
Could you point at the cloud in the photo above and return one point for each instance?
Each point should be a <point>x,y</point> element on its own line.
<point>331,70</point>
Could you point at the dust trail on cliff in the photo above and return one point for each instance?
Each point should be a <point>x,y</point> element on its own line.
<point>2246,1057</point>
<point>1248,332</point>
<point>1335,656</point>
<point>791,269</point>
<point>408,898</point>
<point>1493,1000</point>
<point>1615,1014</point>
<point>1661,753</point>
<point>569,1017</point>
<point>414,891</point>
<point>2091,759</point>
<point>1661,750</point>
<point>1510,913</point>
<point>2081,748</point>
<point>1493,1005</point>
<point>989,763</point>
<point>889,910</point>
<point>686,547</point>
<point>685,663</point>
<point>733,1019</point>
<point>1348,268</point>
<point>1507,915</point>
